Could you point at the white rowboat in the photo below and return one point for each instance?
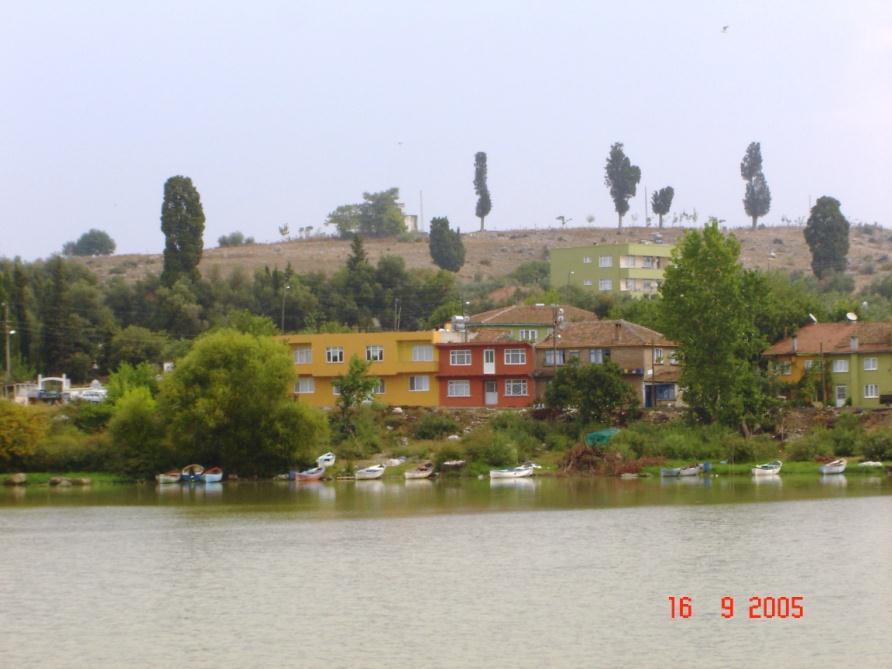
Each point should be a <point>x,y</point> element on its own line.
<point>524,470</point>
<point>326,459</point>
<point>168,477</point>
<point>373,472</point>
<point>835,467</point>
<point>422,471</point>
<point>768,469</point>
<point>693,470</point>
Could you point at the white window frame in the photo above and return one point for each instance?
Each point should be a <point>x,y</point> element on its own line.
<point>673,357</point>
<point>840,366</point>
<point>416,386</point>
<point>658,355</point>
<point>549,358</point>
<point>454,385</point>
<point>871,364</point>
<point>303,355</point>
<point>332,352</point>
<point>463,353</point>
<point>605,284</point>
<point>516,388</point>
<point>605,261</point>
<point>586,260</point>
<point>335,390</point>
<point>380,388</point>
<point>422,353</point>
<point>783,368</point>
<point>374,353</point>
<point>515,356</point>
<point>596,356</point>
<point>871,391</point>
<point>809,364</point>
<point>306,385</point>
<point>587,282</point>
<point>529,335</point>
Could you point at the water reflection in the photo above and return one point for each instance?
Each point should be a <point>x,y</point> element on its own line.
<point>834,480</point>
<point>768,480</point>
<point>516,484</point>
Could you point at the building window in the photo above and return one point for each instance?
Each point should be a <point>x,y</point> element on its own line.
<point>379,388</point>
<point>458,389</point>
<point>626,261</point>
<point>334,354</point>
<point>335,388</point>
<point>673,357</point>
<point>515,356</point>
<point>422,353</point>
<point>552,355</point>
<point>647,262</point>
<point>605,261</point>
<point>605,284</point>
<point>871,391</point>
<point>598,356</point>
<point>303,355</point>
<point>459,358</point>
<point>529,335</point>
<point>840,366</point>
<point>587,282</point>
<point>516,388</point>
<point>305,385</point>
<point>666,392</point>
<point>374,353</point>
<point>419,384</point>
<point>870,364</point>
<point>809,364</point>
<point>658,356</point>
<point>783,368</point>
<point>627,284</point>
<point>587,260</point>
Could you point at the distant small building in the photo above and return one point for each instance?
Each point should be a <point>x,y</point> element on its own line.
<point>635,269</point>
<point>646,357</point>
<point>856,357</point>
<point>528,322</point>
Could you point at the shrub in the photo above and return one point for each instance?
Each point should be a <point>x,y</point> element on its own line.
<point>493,448</point>
<point>877,445</point>
<point>21,429</point>
<point>137,434</point>
<point>68,450</point>
<point>818,443</point>
<point>434,426</point>
<point>90,416</point>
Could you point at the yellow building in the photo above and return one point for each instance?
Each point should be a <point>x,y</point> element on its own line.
<point>404,362</point>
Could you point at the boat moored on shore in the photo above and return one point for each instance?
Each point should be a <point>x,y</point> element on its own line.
<point>768,469</point>
<point>524,470</point>
<point>173,476</point>
<point>211,475</point>
<point>191,473</point>
<point>835,467</point>
<point>422,471</point>
<point>369,473</point>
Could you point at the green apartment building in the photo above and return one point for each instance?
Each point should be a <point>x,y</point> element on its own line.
<point>636,269</point>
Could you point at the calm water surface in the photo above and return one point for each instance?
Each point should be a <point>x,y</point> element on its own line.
<point>536,573</point>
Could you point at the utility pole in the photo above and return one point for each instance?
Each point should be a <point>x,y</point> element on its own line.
<point>286,288</point>
<point>6,333</point>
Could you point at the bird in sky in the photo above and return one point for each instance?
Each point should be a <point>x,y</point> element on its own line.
<point>725,28</point>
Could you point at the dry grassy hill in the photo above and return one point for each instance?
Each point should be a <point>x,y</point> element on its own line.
<point>499,252</point>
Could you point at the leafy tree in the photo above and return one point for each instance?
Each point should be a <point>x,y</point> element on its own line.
<point>597,392</point>
<point>354,387</point>
<point>481,187</point>
<point>757,197</point>
<point>56,319</point>
<point>708,306</point>
<point>228,402</point>
<point>245,321</point>
<point>135,344</point>
<point>827,236</point>
<point>661,202</point>
<point>127,377</point>
<point>447,249</point>
<point>21,428</point>
<point>379,215</point>
<point>182,222</point>
<point>234,239</point>
<point>91,243</point>
<point>622,178</point>
<point>137,433</point>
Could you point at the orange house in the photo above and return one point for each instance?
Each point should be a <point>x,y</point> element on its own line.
<point>485,369</point>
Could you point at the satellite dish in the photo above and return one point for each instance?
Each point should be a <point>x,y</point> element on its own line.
<point>812,317</point>
<point>852,316</point>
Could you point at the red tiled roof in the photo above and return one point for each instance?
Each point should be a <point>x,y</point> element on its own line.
<point>604,334</point>
<point>835,338</point>
<point>530,314</point>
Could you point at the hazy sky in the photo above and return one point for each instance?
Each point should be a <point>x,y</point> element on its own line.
<point>281,111</point>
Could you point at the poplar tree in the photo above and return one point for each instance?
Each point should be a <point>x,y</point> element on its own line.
<point>827,236</point>
<point>447,249</point>
<point>757,197</point>
<point>484,204</point>
<point>622,178</point>
<point>661,202</point>
<point>182,222</point>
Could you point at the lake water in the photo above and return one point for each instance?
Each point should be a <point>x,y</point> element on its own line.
<point>541,573</point>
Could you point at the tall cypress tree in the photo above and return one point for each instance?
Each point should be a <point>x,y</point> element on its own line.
<point>827,236</point>
<point>484,204</point>
<point>661,202</point>
<point>182,222</point>
<point>447,249</point>
<point>622,178</point>
<point>757,197</point>
<point>56,322</point>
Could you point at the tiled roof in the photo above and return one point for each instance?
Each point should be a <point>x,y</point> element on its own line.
<point>530,314</point>
<point>604,334</point>
<point>835,338</point>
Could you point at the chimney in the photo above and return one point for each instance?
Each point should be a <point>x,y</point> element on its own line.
<point>616,331</point>
<point>795,343</point>
<point>853,343</point>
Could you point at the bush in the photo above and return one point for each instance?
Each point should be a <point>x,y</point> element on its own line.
<point>877,445</point>
<point>137,433</point>
<point>434,426</point>
<point>493,448</point>
<point>68,450</point>
<point>21,429</point>
<point>817,443</point>
<point>90,417</point>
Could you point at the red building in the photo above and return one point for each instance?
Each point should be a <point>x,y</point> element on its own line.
<point>489,369</point>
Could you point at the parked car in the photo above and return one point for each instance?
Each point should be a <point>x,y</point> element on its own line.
<point>92,396</point>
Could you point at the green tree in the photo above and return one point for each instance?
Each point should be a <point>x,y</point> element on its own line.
<point>709,304</point>
<point>597,392</point>
<point>137,433</point>
<point>757,197</point>
<point>234,239</point>
<point>21,428</point>
<point>481,187</point>
<point>661,202</point>
<point>91,243</point>
<point>182,222</point>
<point>127,377</point>
<point>827,236</point>
<point>135,344</point>
<point>354,387</point>
<point>229,402</point>
<point>379,215</point>
<point>622,178</point>
<point>57,331</point>
<point>447,249</point>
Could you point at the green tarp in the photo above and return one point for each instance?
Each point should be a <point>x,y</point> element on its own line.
<point>601,436</point>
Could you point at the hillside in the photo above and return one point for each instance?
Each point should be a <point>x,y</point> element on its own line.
<point>499,252</point>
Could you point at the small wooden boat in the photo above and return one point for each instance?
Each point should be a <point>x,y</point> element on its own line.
<point>768,469</point>
<point>835,467</point>
<point>212,475</point>
<point>192,473</point>
<point>314,474</point>
<point>670,471</point>
<point>326,459</point>
<point>422,471</point>
<point>373,472</point>
<point>522,471</point>
<point>870,464</point>
<point>173,476</point>
<point>691,470</point>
